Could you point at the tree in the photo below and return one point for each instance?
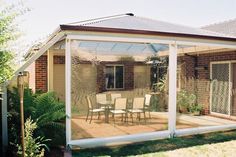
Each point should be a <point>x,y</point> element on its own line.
<point>9,32</point>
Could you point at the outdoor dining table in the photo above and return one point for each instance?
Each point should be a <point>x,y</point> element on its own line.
<point>107,104</point>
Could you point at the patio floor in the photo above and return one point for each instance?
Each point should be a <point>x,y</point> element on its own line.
<point>158,122</point>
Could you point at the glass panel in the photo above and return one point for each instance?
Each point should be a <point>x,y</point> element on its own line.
<point>103,73</point>
<point>119,76</point>
<point>110,77</point>
<point>204,87</point>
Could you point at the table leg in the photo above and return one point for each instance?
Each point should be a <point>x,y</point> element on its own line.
<point>107,114</point>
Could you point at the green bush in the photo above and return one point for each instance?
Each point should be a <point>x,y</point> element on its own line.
<point>185,100</point>
<point>50,115</point>
<point>195,108</point>
<point>45,109</point>
<point>34,147</point>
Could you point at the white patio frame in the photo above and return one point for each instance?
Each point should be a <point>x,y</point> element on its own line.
<point>119,37</point>
<point>171,132</point>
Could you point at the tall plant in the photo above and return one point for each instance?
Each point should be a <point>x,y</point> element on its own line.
<point>8,33</point>
<point>34,147</point>
<point>185,100</point>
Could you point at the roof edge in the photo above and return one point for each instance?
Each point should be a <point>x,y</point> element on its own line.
<point>143,32</point>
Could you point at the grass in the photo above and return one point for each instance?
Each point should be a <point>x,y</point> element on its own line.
<point>159,145</point>
<point>223,149</point>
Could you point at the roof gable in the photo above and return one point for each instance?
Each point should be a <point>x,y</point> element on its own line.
<point>135,23</point>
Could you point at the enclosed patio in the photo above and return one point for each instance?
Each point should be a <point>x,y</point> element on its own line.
<point>128,79</point>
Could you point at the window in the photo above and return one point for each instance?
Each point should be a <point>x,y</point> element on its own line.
<point>114,77</point>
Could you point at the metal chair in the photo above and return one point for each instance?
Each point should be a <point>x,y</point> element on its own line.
<point>147,104</point>
<point>119,108</point>
<point>138,107</point>
<point>114,96</point>
<point>101,97</point>
<point>91,110</point>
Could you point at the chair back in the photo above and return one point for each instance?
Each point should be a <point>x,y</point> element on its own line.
<point>120,103</point>
<point>138,103</point>
<point>114,96</point>
<point>101,97</point>
<point>147,99</point>
<point>89,102</point>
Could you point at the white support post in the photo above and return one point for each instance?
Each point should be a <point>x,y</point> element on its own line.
<point>4,118</point>
<point>50,70</point>
<point>172,89</point>
<point>68,90</point>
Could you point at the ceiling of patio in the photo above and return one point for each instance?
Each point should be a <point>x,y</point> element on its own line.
<point>112,51</point>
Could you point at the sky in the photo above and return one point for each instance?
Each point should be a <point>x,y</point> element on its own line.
<point>46,15</point>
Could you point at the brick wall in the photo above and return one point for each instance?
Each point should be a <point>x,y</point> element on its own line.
<point>41,74</point>
<point>128,75</point>
<point>101,78</point>
<point>41,71</point>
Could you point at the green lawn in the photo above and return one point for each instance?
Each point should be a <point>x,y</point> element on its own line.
<point>165,147</point>
<point>223,149</point>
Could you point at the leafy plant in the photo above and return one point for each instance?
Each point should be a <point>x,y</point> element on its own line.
<point>185,100</point>
<point>45,109</point>
<point>34,147</point>
<point>8,34</point>
<point>195,108</point>
<point>50,115</point>
<point>162,84</point>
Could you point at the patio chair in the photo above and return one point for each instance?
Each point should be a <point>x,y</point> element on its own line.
<point>138,107</point>
<point>119,108</point>
<point>114,96</point>
<point>91,110</point>
<point>101,97</point>
<point>147,104</point>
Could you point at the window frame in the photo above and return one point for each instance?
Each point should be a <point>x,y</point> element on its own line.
<point>114,70</point>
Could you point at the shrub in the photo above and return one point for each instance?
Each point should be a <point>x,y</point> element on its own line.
<point>50,115</point>
<point>195,108</point>
<point>185,100</point>
<point>34,147</point>
<point>45,109</point>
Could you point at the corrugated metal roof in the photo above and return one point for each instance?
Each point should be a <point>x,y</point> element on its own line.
<point>226,27</point>
<point>130,22</point>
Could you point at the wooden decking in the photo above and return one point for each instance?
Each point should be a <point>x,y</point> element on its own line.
<point>158,121</point>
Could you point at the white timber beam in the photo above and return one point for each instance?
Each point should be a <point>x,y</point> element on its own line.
<point>172,89</point>
<point>68,89</point>
<point>202,130</point>
<point>150,39</point>
<point>50,69</point>
<point>41,51</point>
<point>119,140</point>
<point>4,118</point>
